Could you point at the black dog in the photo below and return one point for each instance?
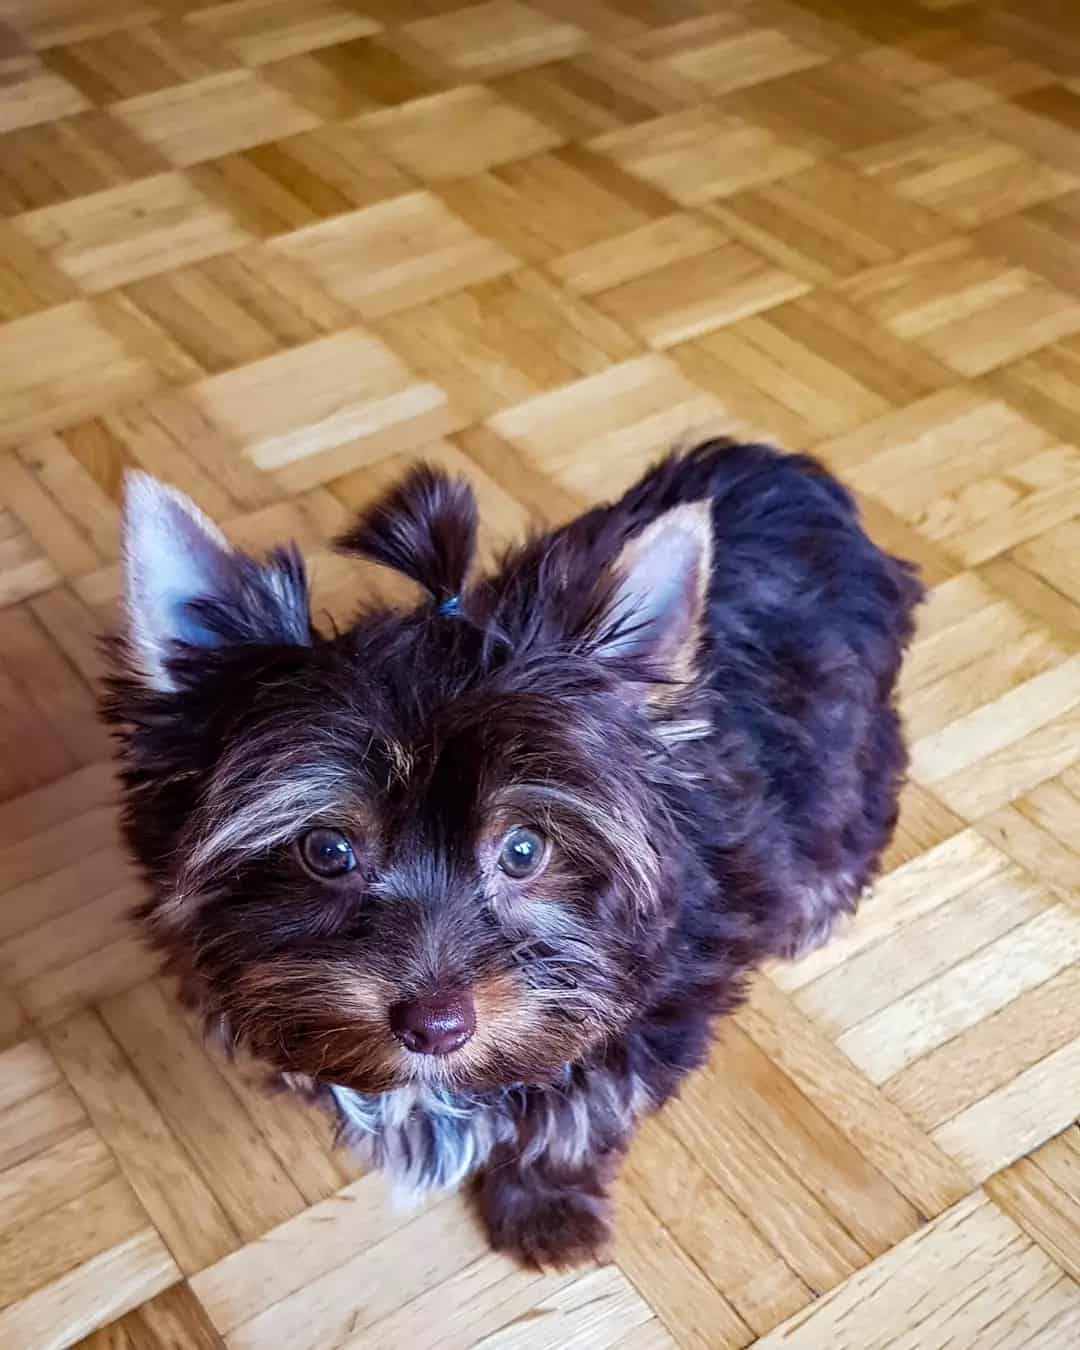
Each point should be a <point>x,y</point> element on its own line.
<point>484,874</point>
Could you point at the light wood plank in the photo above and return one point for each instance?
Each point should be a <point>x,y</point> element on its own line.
<point>971,1270</point>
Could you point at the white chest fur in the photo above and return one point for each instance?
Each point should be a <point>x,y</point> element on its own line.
<point>429,1139</point>
<point>424,1138</point>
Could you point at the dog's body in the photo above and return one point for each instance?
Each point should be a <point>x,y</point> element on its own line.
<point>486,873</point>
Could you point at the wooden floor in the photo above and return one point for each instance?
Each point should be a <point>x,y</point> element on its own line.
<point>273,250</point>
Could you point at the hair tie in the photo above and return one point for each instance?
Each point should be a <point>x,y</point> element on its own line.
<point>450,606</point>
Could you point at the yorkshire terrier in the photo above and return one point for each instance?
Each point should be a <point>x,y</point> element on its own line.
<point>483,875</point>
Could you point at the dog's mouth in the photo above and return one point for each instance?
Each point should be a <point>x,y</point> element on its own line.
<point>449,1075</point>
<point>473,1070</point>
<point>458,1035</point>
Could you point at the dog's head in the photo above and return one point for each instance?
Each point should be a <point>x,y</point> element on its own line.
<point>432,848</point>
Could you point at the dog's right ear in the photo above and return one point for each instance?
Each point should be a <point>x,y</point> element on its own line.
<point>185,586</point>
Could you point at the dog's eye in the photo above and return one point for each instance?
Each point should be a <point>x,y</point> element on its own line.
<point>522,852</point>
<point>326,853</point>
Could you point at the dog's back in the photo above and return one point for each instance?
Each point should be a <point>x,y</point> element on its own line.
<point>807,622</point>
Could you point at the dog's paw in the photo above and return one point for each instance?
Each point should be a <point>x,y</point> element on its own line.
<point>553,1231</point>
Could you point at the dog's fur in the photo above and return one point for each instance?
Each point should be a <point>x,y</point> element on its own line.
<point>689,693</point>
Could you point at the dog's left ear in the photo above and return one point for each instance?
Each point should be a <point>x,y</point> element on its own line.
<point>657,604</point>
<point>185,586</point>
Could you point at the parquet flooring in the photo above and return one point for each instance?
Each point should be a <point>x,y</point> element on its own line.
<point>273,251</point>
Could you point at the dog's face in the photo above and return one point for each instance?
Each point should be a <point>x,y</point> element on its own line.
<point>430,849</point>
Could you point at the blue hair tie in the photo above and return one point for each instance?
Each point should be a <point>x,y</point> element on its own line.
<point>450,606</point>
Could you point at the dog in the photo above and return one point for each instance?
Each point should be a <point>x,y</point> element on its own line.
<point>481,876</point>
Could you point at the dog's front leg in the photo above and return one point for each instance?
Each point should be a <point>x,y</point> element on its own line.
<point>546,1215</point>
<point>543,1197</point>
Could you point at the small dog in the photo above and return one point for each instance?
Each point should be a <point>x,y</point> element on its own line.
<point>483,875</point>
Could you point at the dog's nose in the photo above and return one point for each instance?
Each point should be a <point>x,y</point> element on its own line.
<point>438,1025</point>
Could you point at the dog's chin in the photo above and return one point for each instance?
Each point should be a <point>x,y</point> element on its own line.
<point>454,1074</point>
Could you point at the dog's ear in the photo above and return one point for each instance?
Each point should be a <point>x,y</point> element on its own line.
<point>185,585</point>
<point>425,528</point>
<point>656,607</point>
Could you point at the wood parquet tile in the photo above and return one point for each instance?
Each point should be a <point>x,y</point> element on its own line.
<point>276,252</point>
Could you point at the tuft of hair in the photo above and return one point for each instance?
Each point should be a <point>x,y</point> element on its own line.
<point>425,528</point>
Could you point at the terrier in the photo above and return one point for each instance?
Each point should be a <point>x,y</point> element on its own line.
<point>483,875</point>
